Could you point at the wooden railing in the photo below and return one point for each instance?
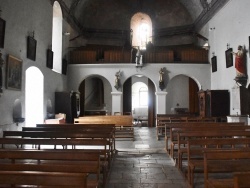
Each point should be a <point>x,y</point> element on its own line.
<point>122,55</point>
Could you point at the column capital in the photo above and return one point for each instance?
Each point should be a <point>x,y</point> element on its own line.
<point>116,93</point>
<point>161,93</point>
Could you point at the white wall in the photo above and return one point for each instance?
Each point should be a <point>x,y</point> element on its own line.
<point>23,17</point>
<point>232,26</point>
<point>199,72</point>
<point>178,93</point>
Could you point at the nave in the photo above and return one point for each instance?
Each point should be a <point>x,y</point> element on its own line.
<point>144,163</point>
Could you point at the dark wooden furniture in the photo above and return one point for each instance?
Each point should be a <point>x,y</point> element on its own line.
<point>214,103</point>
<point>69,104</point>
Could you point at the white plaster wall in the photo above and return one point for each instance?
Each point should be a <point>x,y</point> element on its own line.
<point>230,26</point>
<point>178,93</point>
<point>23,17</point>
<point>199,72</point>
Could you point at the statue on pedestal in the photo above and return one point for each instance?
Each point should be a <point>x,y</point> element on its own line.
<point>240,66</point>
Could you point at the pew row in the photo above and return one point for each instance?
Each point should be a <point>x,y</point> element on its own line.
<point>171,137</point>
<point>226,161</point>
<point>123,123</point>
<point>196,147</point>
<point>39,178</point>
<point>81,161</point>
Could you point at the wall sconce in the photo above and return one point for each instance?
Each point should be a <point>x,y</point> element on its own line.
<point>117,80</point>
<point>161,81</point>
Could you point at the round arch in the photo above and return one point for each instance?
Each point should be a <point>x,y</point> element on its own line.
<point>34,96</point>
<point>95,94</point>
<point>182,94</point>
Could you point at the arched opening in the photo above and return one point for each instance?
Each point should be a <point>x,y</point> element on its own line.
<point>141,26</point>
<point>139,98</point>
<point>57,37</point>
<point>34,83</point>
<point>184,98</point>
<point>95,96</point>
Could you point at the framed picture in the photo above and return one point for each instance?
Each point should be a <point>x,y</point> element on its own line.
<point>50,55</point>
<point>229,57</point>
<point>14,73</point>
<point>31,48</point>
<point>214,64</point>
<point>2,32</point>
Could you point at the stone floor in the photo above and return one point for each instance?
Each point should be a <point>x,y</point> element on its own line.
<point>144,163</point>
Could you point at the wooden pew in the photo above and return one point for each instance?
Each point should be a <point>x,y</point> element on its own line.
<point>123,123</point>
<point>176,130</point>
<point>62,179</point>
<point>77,128</point>
<point>89,162</point>
<point>230,161</point>
<point>241,179</point>
<point>175,127</point>
<point>195,148</point>
<point>202,134</point>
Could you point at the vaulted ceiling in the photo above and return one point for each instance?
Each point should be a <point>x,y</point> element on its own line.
<point>169,17</point>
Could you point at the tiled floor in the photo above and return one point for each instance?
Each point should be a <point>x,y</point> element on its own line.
<point>144,163</point>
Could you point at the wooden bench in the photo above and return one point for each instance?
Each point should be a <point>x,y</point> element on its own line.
<point>87,162</point>
<point>176,130</point>
<point>241,179</point>
<point>205,134</point>
<point>230,161</point>
<point>123,123</point>
<point>62,179</point>
<point>195,148</point>
<point>76,128</point>
<point>176,127</point>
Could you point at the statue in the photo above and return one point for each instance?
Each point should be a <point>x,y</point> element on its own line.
<point>240,66</point>
<point>117,79</point>
<point>161,81</point>
<point>239,62</point>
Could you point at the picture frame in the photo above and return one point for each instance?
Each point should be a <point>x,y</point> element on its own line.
<point>50,55</point>
<point>2,32</point>
<point>229,57</point>
<point>214,63</point>
<point>31,48</point>
<point>14,73</point>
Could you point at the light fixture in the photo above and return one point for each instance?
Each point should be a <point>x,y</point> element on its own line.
<point>206,46</point>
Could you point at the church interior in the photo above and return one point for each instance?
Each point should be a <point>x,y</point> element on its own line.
<point>139,65</point>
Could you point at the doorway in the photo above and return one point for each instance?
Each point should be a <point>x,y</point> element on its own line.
<point>139,99</point>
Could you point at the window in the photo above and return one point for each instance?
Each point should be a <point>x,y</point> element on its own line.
<point>141,27</point>
<point>57,37</point>
<point>143,96</point>
<point>34,96</point>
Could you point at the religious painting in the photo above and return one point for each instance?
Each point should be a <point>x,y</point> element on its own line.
<point>2,32</point>
<point>31,48</point>
<point>14,73</point>
<point>50,55</point>
<point>214,63</point>
<point>229,57</point>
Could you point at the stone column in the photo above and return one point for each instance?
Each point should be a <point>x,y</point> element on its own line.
<point>161,102</point>
<point>116,102</point>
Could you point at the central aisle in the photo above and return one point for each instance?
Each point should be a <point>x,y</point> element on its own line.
<point>144,163</point>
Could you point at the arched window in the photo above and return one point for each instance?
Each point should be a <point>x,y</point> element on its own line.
<point>143,96</point>
<point>34,97</point>
<point>141,26</point>
<point>57,37</point>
